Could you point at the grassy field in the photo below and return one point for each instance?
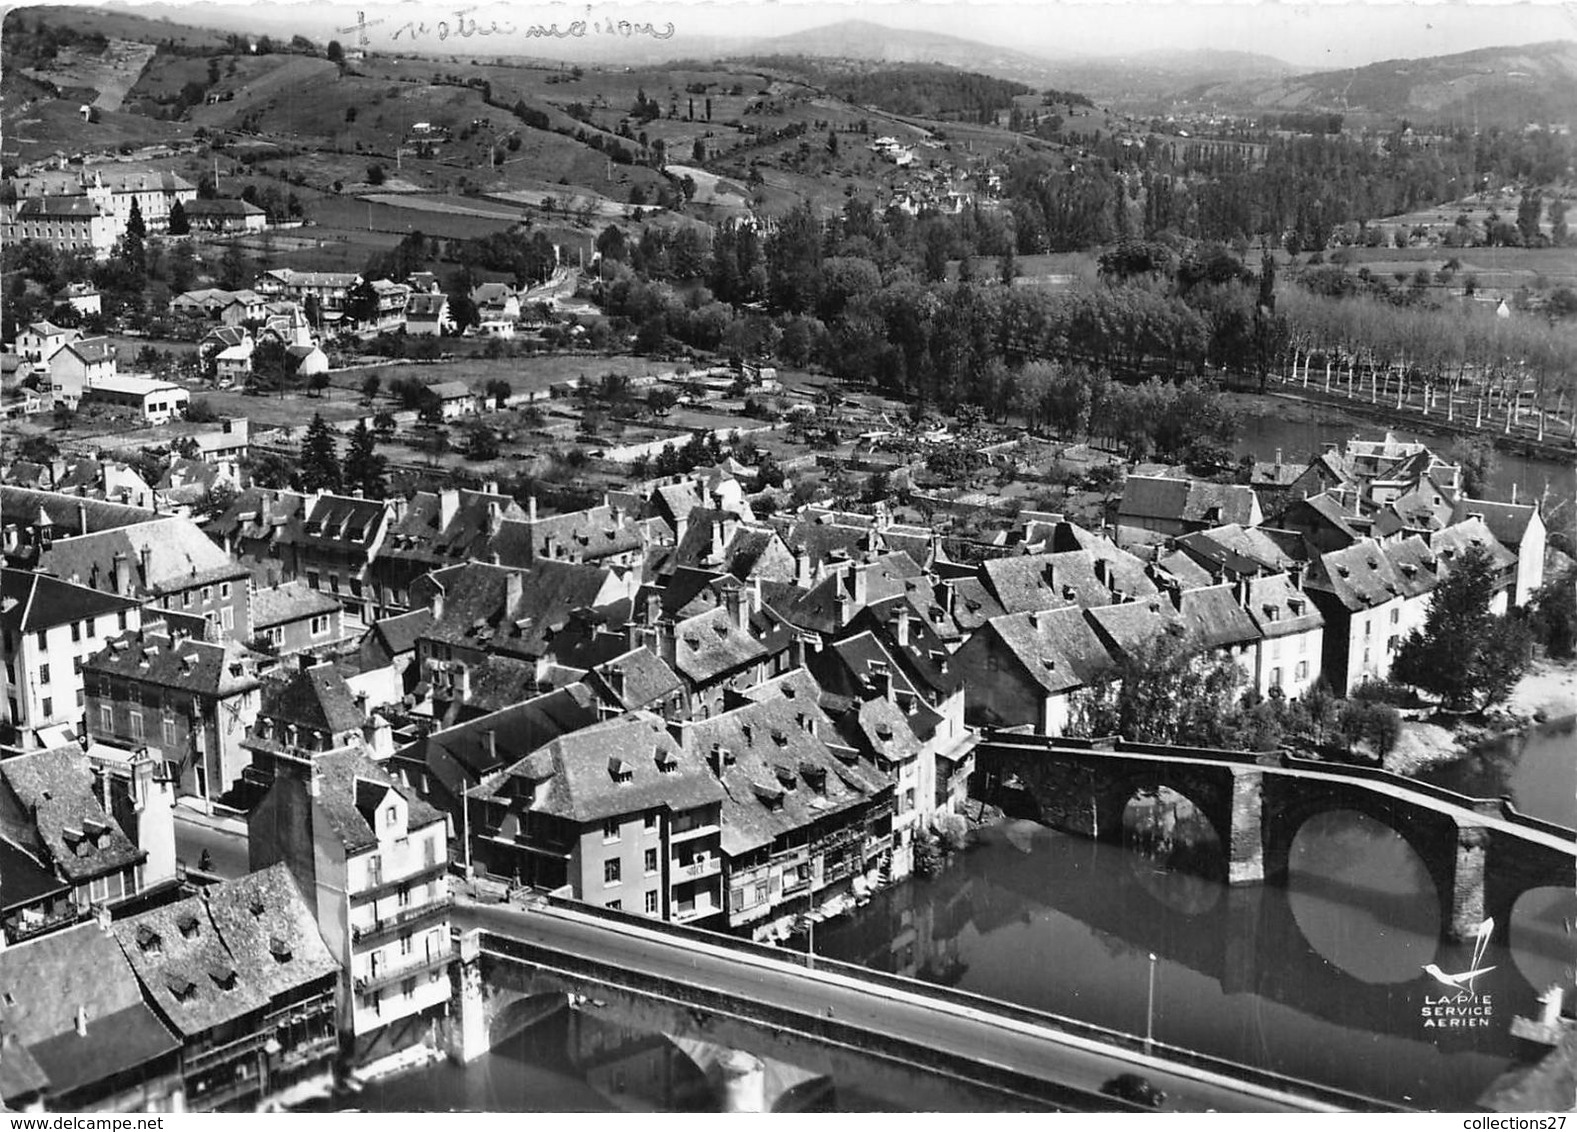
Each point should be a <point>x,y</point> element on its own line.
<point>348,214</point>
<point>36,131</point>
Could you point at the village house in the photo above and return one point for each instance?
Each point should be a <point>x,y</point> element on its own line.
<point>455,399</point>
<point>292,617</point>
<point>1026,669</point>
<point>78,366</point>
<point>150,399</point>
<point>48,628</point>
<point>224,215</point>
<point>431,530</point>
<point>1372,595</point>
<point>373,861</point>
<point>1520,529</point>
<point>618,812</point>
<point>1160,506</point>
<point>40,341</point>
<point>427,314</point>
<point>83,1044</point>
<point>188,701</point>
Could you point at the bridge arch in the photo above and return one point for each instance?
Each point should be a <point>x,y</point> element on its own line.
<point>1290,804</point>
<point>1209,793</point>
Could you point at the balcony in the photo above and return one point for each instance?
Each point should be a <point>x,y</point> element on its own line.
<point>875,846</point>
<point>389,926</point>
<point>683,911</point>
<point>385,887</point>
<point>697,868</point>
<point>366,984</point>
<point>676,836</point>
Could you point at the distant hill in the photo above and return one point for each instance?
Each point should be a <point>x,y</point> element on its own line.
<point>1134,81</point>
<point>861,39</point>
<point>1506,86</point>
<point>118,25</point>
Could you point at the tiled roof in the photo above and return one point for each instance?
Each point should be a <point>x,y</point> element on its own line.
<point>586,535</point>
<point>475,596</point>
<point>776,763</point>
<point>50,805</point>
<point>420,534</point>
<point>90,350</point>
<point>400,634</point>
<point>74,207</point>
<point>973,604</point>
<point>621,766</point>
<point>46,981</point>
<point>31,602</point>
<point>1459,539</point>
<point>151,657</point>
<point>1192,501</point>
<point>450,390</point>
<point>332,521</point>
<point>221,209</point>
<point>1129,627</point>
<point>1360,576</point>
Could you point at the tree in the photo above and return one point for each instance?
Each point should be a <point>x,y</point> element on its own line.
<point>1163,693</point>
<point>271,364</point>
<point>135,225</point>
<point>179,225</point>
<point>1479,461</point>
<point>1553,616</point>
<point>375,174</point>
<point>481,443</point>
<point>234,268</point>
<point>370,386</point>
<point>335,53</point>
<point>365,469</point>
<point>661,399</point>
<point>1464,653</point>
<point>497,391</point>
<point>1557,211</point>
<point>320,467</point>
<point>318,382</point>
<point>361,302</point>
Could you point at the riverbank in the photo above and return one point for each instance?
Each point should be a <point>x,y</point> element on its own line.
<point>1547,691</point>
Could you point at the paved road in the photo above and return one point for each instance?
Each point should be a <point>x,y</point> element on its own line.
<point>226,848</point>
<point>946,1026</point>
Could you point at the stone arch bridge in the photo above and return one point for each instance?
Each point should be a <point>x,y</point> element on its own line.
<point>1481,854</point>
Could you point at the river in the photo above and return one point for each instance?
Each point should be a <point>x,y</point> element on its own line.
<point>1302,430</point>
<point>1321,979</point>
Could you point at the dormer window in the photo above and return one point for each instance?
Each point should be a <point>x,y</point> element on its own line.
<point>620,771</point>
<point>667,761</point>
<point>257,906</point>
<point>187,922</point>
<point>223,976</point>
<point>181,987</point>
<point>279,949</point>
<point>148,939</point>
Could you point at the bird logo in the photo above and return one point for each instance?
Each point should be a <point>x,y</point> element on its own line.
<point>1464,980</point>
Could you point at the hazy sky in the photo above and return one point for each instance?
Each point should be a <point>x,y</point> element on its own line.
<point>1342,33</point>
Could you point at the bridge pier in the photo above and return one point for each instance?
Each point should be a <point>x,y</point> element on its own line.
<point>1467,884</point>
<point>1246,852</point>
<point>742,1082</point>
<point>468,1029</point>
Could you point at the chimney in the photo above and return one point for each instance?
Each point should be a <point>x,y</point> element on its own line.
<point>82,1021</point>
<point>122,573</point>
<point>1278,457</point>
<point>82,512</point>
<point>859,585</point>
<point>490,741</point>
<point>1240,591</point>
<point>437,605</point>
<point>903,625</point>
<point>490,487</point>
<point>654,608</point>
<point>802,570</point>
<point>314,780</point>
<point>495,517</point>
<point>738,609</point>
<point>717,540</point>
<point>531,508</point>
<point>513,593</point>
<point>1295,575</point>
<point>448,507</point>
<point>1103,572</point>
<point>145,561</point>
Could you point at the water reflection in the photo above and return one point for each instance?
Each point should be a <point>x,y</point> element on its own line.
<point>1541,937</point>
<point>1177,856</point>
<point>1362,897</point>
<point>1066,927</point>
<point>1534,768</point>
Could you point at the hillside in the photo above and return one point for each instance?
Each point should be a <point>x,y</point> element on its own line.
<point>1505,86</point>
<point>860,39</point>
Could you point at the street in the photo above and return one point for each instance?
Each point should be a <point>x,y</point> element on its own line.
<point>225,843</point>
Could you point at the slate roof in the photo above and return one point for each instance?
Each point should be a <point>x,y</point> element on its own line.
<point>315,698</point>
<point>973,603</point>
<point>585,535</point>
<point>640,676</point>
<point>289,602</point>
<point>74,207</point>
<point>1234,549</point>
<point>608,769</point>
<point>32,602</point>
<point>180,556</point>
<point>425,307</point>
<point>417,533</point>
<point>675,501</point>
<point>49,807</point>
<point>1189,501</point>
<point>332,521</point>
<point>339,773</point>
<point>1126,629</point>
<point>91,350</point>
<point>1050,581</point>
<point>254,915</point>
<point>25,877</point>
<point>475,595</point>
<point>186,969</point>
<point>1058,648</point>
<point>66,511</point>
<point>710,645</point>
<point>1279,609</point>
<point>767,789</point>
<point>1360,576</point>
<point>152,656</point>
<point>400,634</point>
<point>1214,618</point>
<point>1507,521</point>
<point>450,390</point>
<point>880,729</point>
<point>463,754</point>
<point>44,982</point>
<point>1457,540</point>
<point>221,209</point>
<point>1182,569</point>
